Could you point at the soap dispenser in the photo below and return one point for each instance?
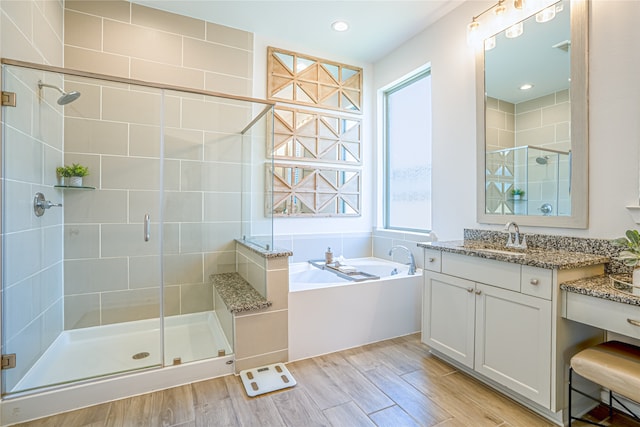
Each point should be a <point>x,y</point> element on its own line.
<point>328,256</point>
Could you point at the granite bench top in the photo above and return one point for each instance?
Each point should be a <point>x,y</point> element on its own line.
<point>543,258</point>
<point>237,294</point>
<point>600,287</point>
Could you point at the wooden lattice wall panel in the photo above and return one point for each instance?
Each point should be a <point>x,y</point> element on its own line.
<point>315,136</point>
<point>302,190</point>
<point>302,79</point>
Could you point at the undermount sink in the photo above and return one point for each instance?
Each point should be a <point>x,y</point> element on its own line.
<point>500,252</point>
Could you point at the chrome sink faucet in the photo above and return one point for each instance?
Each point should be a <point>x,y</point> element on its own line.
<point>515,242</point>
<point>412,260</point>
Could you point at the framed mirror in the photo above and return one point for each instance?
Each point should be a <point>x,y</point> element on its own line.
<point>532,118</point>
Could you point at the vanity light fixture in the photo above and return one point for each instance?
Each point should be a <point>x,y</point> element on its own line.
<point>489,43</point>
<point>508,14</point>
<point>473,33</point>
<point>340,26</point>
<point>514,31</point>
<point>546,15</point>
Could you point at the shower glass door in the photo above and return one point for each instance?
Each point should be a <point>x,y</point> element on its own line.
<point>81,282</point>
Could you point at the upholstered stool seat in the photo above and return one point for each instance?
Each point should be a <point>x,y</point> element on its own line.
<point>613,365</point>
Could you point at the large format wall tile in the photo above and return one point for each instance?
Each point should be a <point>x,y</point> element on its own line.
<point>115,129</point>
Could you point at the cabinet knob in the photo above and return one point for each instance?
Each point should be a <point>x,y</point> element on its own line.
<point>634,322</point>
<point>432,260</point>
<point>534,281</point>
<point>469,290</point>
<point>478,292</point>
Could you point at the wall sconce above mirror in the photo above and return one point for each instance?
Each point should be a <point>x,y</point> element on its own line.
<point>532,115</point>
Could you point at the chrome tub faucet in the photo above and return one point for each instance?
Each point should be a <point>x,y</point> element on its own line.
<point>412,260</point>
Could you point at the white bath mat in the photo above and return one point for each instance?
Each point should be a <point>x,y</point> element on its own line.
<point>266,379</point>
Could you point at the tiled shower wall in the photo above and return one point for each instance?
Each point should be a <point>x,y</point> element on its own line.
<point>123,39</point>
<point>546,122</point>
<point>500,127</point>
<point>542,122</point>
<point>111,274</point>
<point>32,316</point>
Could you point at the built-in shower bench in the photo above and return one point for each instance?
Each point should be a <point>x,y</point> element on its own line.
<point>237,294</point>
<point>252,305</point>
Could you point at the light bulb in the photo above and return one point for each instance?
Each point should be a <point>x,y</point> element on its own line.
<point>514,31</point>
<point>500,8</point>
<point>489,43</point>
<point>546,15</point>
<point>473,33</point>
<point>340,26</point>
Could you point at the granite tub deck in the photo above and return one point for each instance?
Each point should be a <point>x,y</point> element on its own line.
<point>238,295</point>
<point>600,287</point>
<point>536,257</point>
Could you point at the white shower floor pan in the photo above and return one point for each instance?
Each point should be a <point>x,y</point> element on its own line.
<point>103,350</point>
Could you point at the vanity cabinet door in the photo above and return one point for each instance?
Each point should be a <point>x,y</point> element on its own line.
<point>448,316</point>
<point>513,341</point>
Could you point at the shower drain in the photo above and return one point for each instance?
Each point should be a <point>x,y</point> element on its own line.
<point>140,355</point>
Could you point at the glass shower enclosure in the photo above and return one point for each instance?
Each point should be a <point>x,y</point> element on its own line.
<point>112,276</point>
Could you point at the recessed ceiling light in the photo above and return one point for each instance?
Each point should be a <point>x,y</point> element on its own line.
<point>526,86</point>
<point>340,26</point>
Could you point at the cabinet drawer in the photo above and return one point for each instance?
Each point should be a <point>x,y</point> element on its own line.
<point>608,315</point>
<point>537,282</point>
<point>432,260</point>
<point>496,273</point>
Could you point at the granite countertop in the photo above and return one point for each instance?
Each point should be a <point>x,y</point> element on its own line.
<point>265,253</point>
<point>543,258</point>
<point>237,294</point>
<point>600,287</point>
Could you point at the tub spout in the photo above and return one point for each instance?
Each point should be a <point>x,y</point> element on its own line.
<point>412,260</point>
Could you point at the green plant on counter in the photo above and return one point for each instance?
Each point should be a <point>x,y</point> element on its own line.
<point>630,256</point>
<point>75,169</point>
<point>517,192</point>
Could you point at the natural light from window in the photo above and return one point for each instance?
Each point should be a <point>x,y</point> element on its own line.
<point>407,108</point>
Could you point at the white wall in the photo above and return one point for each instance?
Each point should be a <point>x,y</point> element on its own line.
<point>614,117</point>
<point>453,104</point>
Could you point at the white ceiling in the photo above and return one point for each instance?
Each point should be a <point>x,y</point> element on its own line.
<point>376,27</point>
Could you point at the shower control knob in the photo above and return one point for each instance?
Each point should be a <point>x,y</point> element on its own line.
<point>49,204</point>
<point>40,204</point>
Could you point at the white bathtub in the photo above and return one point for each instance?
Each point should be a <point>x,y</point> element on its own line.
<point>304,276</point>
<point>328,313</point>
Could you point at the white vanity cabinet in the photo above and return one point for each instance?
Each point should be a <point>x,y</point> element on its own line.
<point>499,321</point>
<point>448,319</point>
<point>502,334</point>
<point>513,341</point>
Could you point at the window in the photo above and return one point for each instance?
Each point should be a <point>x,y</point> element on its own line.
<point>407,144</point>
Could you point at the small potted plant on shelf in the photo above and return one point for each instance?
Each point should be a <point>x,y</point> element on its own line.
<point>62,174</point>
<point>72,175</point>
<point>517,194</point>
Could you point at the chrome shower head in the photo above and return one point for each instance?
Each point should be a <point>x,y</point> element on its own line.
<point>542,160</point>
<point>66,97</point>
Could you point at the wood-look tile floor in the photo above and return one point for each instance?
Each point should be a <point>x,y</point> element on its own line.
<point>391,383</point>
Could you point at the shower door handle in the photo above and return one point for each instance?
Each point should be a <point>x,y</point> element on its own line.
<point>147,227</point>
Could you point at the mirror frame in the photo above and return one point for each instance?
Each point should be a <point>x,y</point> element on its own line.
<point>579,217</point>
